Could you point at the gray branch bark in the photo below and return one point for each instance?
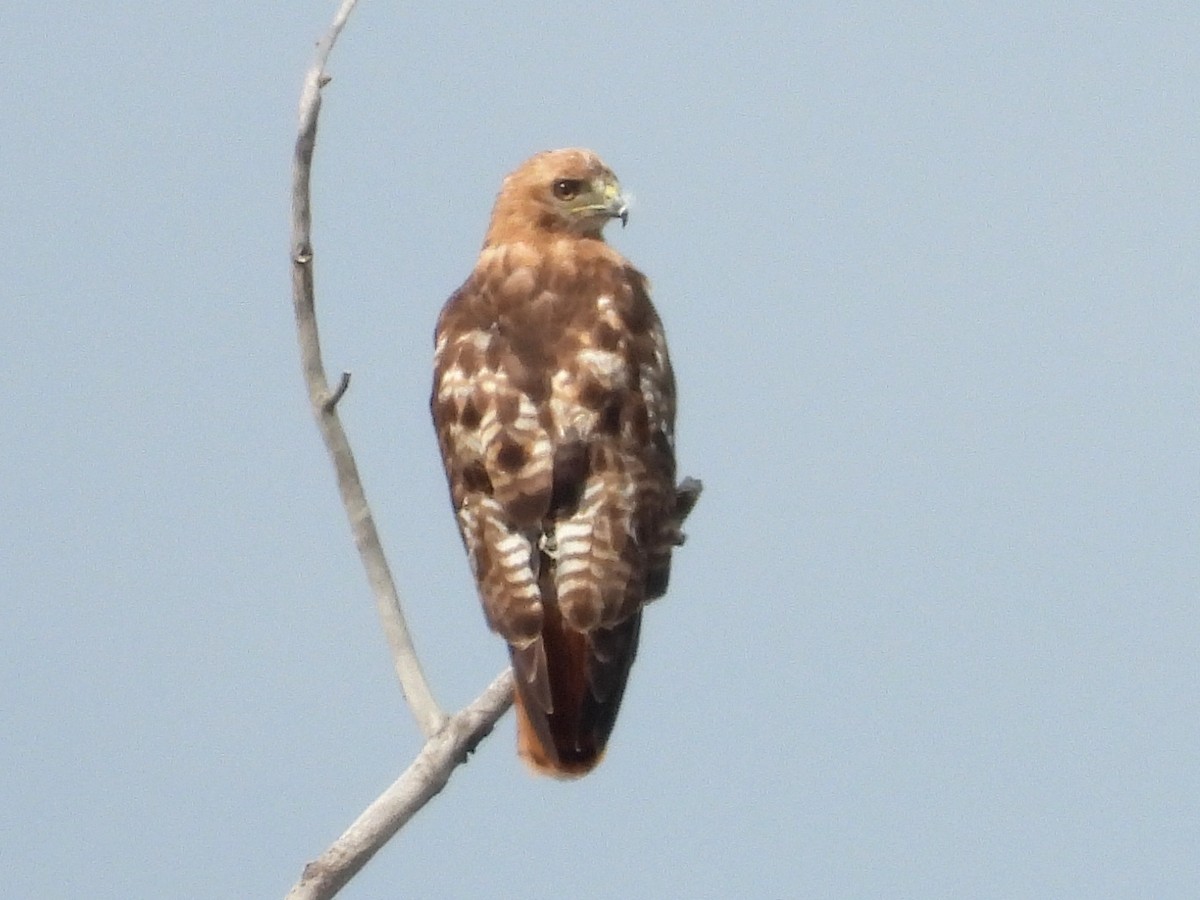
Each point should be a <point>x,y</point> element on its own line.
<point>448,740</point>
<point>420,783</point>
<point>324,402</point>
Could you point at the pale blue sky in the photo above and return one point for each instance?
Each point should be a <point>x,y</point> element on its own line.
<point>930,279</point>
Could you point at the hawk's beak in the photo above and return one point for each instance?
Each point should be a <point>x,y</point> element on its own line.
<point>615,203</point>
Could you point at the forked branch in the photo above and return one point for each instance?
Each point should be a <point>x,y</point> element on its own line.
<point>448,740</point>
<point>324,401</point>
<point>420,783</point>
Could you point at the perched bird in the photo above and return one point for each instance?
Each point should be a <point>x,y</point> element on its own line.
<point>554,405</point>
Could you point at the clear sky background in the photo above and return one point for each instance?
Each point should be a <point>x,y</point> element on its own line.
<point>930,275</point>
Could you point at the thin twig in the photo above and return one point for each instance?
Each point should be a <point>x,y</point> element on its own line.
<point>424,708</point>
<point>420,783</point>
<point>338,392</point>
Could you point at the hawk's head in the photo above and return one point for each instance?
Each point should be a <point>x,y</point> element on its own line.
<point>557,192</point>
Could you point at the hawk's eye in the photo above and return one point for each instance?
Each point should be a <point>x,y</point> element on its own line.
<point>567,188</point>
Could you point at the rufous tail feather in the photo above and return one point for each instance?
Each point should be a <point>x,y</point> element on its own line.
<point>587,675</point>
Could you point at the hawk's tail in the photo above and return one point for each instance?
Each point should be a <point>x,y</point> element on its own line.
<point>586,675</point>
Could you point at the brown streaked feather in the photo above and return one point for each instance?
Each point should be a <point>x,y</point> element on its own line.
<point>554,404</point>
<point>531,672</point>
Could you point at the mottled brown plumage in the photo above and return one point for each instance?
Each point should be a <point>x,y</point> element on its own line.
<point>554,404</point>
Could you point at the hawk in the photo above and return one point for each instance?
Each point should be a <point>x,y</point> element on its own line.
<point>554,405</point>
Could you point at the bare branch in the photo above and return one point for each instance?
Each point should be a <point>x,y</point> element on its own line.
<point>424,708</point>
<point>449,741</point>
<point>422,781</point>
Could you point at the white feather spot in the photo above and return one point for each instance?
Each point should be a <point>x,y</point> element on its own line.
<point>572,531</point>
<point>478,339</point>
<point>592,491</point>
<point>609,367</point>
<point>573,566</point>
<point>569,585</point>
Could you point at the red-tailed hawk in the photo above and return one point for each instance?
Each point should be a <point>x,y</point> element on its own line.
<point>554,405</point>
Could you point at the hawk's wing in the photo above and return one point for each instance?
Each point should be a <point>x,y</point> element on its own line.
<point>554,405</point>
